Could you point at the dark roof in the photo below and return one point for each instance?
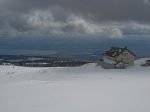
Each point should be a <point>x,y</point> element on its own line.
<point>116,51</point>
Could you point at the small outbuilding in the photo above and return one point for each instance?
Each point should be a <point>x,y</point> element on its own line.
<point>146,64</point>
<point>116,57</point>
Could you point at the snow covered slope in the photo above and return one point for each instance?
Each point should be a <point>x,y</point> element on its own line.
<point>75,89</point>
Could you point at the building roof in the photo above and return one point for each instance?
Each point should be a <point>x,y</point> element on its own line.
<point>116,51</point>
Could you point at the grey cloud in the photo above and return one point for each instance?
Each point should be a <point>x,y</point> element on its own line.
<point>110,18</point>
<point>147,2</point>
<point>120,10</point>
<point>57,21</point>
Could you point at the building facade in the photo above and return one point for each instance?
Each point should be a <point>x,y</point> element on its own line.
<point>116,57</point>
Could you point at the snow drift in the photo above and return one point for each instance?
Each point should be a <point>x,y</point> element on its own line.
<point>75,89</point>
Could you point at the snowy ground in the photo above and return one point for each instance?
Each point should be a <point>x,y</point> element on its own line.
<point>76,89</point>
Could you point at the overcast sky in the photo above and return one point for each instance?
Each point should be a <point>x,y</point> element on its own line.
<point>110,18</point>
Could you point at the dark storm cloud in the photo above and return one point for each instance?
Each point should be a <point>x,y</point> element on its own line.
<point>100,9</point>
<point>111,18</point>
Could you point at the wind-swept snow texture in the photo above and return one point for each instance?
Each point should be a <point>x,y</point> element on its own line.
<point>89,88</point>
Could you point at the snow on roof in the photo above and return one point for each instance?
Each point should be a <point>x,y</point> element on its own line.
<point>116,51</point>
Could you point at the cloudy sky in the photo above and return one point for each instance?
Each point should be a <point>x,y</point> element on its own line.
<point>101,18</point>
